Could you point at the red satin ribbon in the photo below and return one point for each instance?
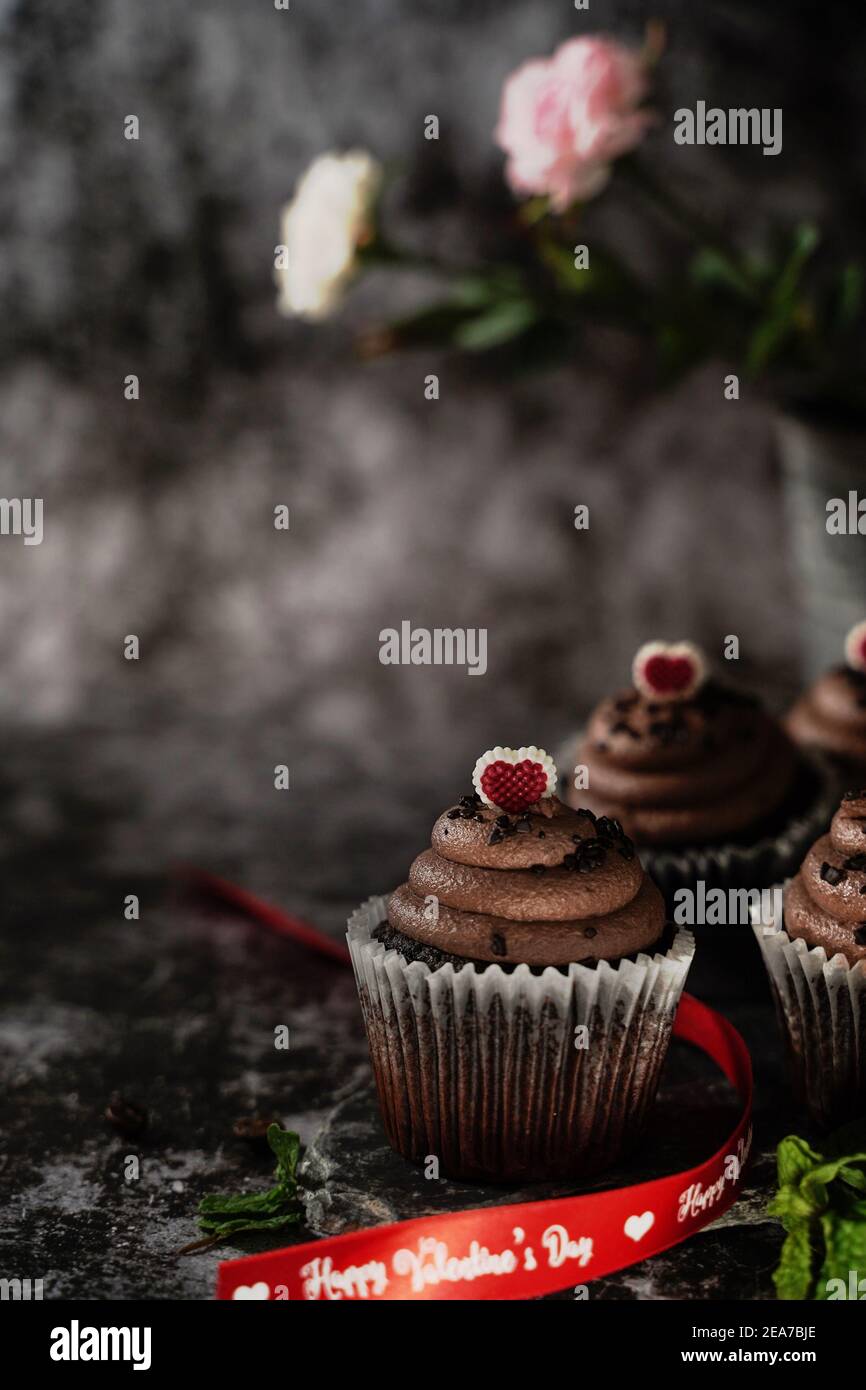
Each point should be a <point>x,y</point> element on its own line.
<point>522,1250</point>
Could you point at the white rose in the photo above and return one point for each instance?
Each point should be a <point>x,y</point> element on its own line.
<point>321,229</point>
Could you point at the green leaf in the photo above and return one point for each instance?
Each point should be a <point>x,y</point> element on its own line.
<point>795,1159</point>
<point>784,310</point>
<point>712,269</point>
<point>793,1278</point>
<point>844,1230</point>
<point>499,324</point>
<point>819,1202</point>
<point>244,1204</point>
<point>286,1147</point>
<point>224,1215</point>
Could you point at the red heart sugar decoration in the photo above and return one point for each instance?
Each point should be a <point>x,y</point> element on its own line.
<point>668,671</point>
<point>668,675</point>
<point>514,787</point>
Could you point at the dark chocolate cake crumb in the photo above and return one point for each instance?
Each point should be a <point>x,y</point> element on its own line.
<point>856,861</point>
<point>855,796</point>
<point>495,836</point>
<point>623,727</point>
<point>126,1116</point>
<point>497,944</point>
<point>590,932</point>
<point>830,874</point>
<point>542,834</point>
<point>860,935</point>
<point>537,868</point>
<point>586,856</point>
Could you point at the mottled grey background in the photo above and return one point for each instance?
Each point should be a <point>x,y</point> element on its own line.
<point>259,647</point>
<point>156,258</point>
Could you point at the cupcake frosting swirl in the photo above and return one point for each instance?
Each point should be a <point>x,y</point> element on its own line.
<point>684,772</point>
<point>826,903</point>
<point>548,886</point>
<point>832,715</point>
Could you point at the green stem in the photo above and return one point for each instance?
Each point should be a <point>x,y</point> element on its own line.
<point>702,231</point>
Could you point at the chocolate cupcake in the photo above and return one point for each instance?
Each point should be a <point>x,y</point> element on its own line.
<point>704,780</point>
<point>832,713</point>
<point>710,787</point>
<point>816,960</point>
<point>519,989</point>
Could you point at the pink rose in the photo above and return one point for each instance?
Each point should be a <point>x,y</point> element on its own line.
<point>563,119</point>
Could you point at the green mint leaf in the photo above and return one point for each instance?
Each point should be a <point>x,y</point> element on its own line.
<point>244,1204</point>
<point>844,1230</point>
<point>222,1215</point>
<point>795,1159</point>
<point>821,1206</point>
<point>793,1278</point>
<point>231,1228</point>
<point>286,1148</point>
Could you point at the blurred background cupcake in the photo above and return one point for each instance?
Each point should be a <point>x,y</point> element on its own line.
<point>831,715</point>
<point>709,785</point>
<point>520,989</point>
<point>816,960</point>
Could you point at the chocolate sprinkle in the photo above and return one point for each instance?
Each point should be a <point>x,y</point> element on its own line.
<point>586,856</point>
<point>622,727</point>
<point>830,874</point>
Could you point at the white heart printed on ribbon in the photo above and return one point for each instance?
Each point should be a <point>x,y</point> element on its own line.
<point>637,1226</point>
<point>259,1290</point>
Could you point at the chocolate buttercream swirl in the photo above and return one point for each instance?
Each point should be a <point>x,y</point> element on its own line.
<point>685,772</point>
<point>832,715</point>
<point>826,903</point>
<point>547,887</point>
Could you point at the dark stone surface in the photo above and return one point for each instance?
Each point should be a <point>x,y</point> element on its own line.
<point>177,1011</point>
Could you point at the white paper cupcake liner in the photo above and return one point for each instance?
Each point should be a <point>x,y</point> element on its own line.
<point>480,1069</point>
<point>821,1005</point>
